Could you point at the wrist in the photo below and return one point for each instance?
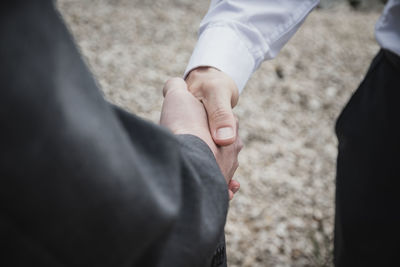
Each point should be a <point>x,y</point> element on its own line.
<point>205,69</point>
<point>224,49</point>
<point>206,82</point>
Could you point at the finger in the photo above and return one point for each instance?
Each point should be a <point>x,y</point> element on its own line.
<point>237,122</point>
<point>221,120</point>
<point>234,186</point>
<point>174,84</point>
<point>230,194</point>
<point>238,142</point>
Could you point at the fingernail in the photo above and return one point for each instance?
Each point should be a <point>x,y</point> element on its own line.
<point>225,133</point>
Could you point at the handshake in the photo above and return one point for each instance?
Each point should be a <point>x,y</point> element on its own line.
<point>202,106</point>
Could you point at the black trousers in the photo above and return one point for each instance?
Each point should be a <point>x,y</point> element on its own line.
<point>367,223</point>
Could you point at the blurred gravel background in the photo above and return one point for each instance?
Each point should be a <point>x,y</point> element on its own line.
<point>283,215</point>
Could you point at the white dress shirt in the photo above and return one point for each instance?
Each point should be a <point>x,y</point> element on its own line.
<point>387,30</point>
<point>236,36</point>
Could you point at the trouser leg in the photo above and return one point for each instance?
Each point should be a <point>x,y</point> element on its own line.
<point>367,219</point>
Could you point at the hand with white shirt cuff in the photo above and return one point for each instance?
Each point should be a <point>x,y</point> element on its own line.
<point>182,113</point>
<point>219,94</point>
<point>235,37</point>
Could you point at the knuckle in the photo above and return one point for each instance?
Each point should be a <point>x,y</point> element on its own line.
<point>194,74</point>
<point>222,115</point>
<point>173,84</point>
<point>212,84</point>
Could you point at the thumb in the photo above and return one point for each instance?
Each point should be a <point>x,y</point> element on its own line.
<point>174,84</point>
<point>221,120</point>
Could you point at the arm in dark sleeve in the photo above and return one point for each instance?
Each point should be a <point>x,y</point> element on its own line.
<point>83,183</point>
<point>197,233</point>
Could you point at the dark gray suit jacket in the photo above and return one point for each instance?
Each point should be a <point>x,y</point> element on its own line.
<point>84,183</point>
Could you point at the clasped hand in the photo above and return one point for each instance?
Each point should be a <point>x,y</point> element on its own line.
<point>183,113</point>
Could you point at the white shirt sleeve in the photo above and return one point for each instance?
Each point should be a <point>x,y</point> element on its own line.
<point>236,36</point>
<point>387,29</point>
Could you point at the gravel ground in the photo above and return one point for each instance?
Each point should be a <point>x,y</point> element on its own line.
<point>283,215</point>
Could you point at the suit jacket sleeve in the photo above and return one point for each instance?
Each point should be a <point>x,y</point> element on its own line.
<point>83,183</point>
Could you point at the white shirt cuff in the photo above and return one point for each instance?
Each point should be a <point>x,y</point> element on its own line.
<point>221,48</point>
